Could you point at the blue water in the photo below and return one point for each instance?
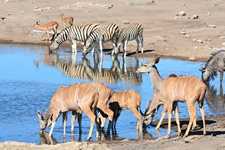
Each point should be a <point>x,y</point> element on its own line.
<point>28,86</point>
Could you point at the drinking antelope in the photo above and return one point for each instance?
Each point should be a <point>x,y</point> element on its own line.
<point>132,32</point>
<point>214,64</point>
<point>72,98</point>
<point>65,20</point>
<point>51,25</point>
<point>174,89</point>
<point>127,99</point>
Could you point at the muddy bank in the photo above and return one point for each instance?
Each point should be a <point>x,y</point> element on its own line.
<point>215,127</point>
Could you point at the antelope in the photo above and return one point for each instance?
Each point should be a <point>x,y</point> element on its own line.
<point>174,89</point>
<point>127,99</point>
<point>73,98</point>
<point>51,25</point>
<point>214,64</point>
<point>65,20</point>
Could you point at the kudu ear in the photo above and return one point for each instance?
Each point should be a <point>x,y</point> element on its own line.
<point>39,115</point>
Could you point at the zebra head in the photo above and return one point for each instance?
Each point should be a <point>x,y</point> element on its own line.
<point>86,48</point>
<point>54,46</point>
<point>117,48</point>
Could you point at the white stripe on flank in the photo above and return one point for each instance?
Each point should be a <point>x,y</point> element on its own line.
<point>75,96</point>
<point>184,86</point>
<point>85,94</point>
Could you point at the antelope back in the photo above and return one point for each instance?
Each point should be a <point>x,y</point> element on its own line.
<point>103,90</point>
<point>126,98</point>
<point>71,97</point>
<point>182,87</point>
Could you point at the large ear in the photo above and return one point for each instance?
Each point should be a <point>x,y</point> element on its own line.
<point>39,115</point>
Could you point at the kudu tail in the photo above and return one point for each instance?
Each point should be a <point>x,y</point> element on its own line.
<point>201,97</point>
<point>139,104</point>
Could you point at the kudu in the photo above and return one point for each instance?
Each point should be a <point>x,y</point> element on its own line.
<point>174,89</point>
<point>104,95</point>
<point>215,63</point>
<point>127,99</point>
<point>72,98</point>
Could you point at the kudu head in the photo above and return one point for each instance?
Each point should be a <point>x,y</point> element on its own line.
<point>44,122</point>
<point>205,74</point>
<point>149,65</point>
<point>152,108</point>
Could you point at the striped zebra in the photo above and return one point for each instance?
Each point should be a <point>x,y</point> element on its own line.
<point>73,34</point>
<point>102,34</point>
<point>130,33</point>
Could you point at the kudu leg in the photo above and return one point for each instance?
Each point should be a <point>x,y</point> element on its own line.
<point>162,116</point>
<point>106,110</point>
<point>169,108</point>
<point>203,119</point>
<point>54,118</point>
<point>92,117</point>
<point>138,115</point>
<point>80,120</point>
<point>176,114</point>
<point>74,114</point>
<point>192,112</point>
<point>194,122</point>
<point>64,122</point>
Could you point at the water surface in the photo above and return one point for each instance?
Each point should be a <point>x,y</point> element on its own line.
<point>30,77</point>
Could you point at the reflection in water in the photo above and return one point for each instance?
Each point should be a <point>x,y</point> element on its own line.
<point>84,70</point>
<point>45,139</point>
<point>216,102</point>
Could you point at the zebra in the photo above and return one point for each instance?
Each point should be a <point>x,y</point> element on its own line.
<point>102,34</point>
<point>130,33</point>
<point>215,63</point>
<point>73,34</point>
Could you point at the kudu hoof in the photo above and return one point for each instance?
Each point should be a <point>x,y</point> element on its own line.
<point>88,139</point>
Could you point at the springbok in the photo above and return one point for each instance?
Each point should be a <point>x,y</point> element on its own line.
<point>214,64</point>
<point>72,98</point>
<point>127,99</point>
<point>65,20</point>
<point>51,25</point>
<point>174,89</point>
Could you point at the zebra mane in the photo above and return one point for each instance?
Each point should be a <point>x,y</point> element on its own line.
<point>212,64</point>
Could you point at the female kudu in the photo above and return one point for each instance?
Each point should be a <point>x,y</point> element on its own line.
<point>127,99</point>
<point>174,89</point>
<point>72,98</point>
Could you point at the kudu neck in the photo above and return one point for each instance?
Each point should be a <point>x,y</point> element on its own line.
<point>48,113</point>
<point>157,81</point>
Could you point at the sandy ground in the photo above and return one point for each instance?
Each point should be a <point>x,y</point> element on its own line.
<point>166,33</point>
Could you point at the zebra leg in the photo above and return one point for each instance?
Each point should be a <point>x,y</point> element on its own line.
<point>74,46</point>
<point>137,44</point>
<point>141,39</point>
<point>113,41</point>
<point>100,44</point>
<point>125,48</point>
